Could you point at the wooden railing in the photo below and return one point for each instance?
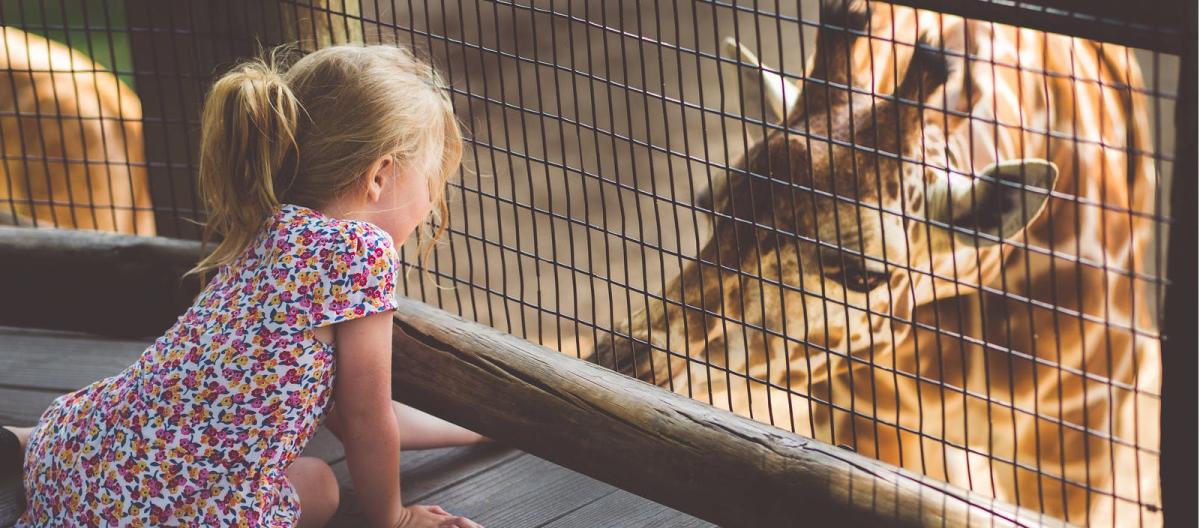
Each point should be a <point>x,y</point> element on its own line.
<point>671,449</point>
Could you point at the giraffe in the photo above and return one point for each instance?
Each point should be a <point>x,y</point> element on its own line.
<point>71,134</point>
<point>939,255</point>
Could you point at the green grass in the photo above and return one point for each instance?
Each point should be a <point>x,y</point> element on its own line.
<point>96,28</point>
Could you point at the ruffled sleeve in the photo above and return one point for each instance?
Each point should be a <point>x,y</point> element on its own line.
<point>356,275</point>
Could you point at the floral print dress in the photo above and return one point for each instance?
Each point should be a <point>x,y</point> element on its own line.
<point>199,431</point>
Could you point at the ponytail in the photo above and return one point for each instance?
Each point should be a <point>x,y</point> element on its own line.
<point>248,151</point>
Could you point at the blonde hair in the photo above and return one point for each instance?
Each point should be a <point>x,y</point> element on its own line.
<point>307,133</point>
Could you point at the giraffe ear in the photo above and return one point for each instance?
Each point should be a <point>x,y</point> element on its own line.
<point>997,203</point>
<point>764,94</point>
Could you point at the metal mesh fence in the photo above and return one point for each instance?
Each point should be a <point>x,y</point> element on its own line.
<point>938,241</point>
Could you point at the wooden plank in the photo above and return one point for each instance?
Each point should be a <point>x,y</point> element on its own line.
<point>62,361</point>
<point>441,468</point>
<point>506,496</point>
<point>621,508</point>
<point>425,472</point>
<point>22,407</point>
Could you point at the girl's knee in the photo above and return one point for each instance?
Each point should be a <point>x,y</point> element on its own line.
<point>319,475</point>
<point>317,488</point>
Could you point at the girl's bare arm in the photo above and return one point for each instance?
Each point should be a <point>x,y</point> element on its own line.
<point>368,429</point>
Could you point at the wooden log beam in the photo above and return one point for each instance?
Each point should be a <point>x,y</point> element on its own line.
<point>680,452</point>
<point>674,450</point>
<point>104,283</point>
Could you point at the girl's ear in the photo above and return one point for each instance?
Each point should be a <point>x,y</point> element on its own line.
<point>379,176</point>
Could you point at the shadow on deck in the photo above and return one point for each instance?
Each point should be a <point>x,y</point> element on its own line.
<point>495,485</point>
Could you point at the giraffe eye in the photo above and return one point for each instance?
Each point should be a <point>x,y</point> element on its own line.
<point>862,280</point>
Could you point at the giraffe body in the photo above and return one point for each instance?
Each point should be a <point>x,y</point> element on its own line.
<point>71,134</point>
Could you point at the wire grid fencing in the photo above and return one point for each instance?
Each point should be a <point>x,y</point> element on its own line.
<point>933,240</point>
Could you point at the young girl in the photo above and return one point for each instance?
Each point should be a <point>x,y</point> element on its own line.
<point>312,176</point>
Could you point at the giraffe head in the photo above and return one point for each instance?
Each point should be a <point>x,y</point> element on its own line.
<point>846,215</point>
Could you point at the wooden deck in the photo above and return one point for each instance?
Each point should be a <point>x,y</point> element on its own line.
<point>495,485</point>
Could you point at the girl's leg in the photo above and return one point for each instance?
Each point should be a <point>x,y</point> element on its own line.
<point>317,488</point>
<point>22,434</point>
<point>419,430</point>
<point>13,443</point>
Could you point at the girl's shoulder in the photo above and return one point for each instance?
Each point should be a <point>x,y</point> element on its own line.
<point>304,228</point>
<point>328,270</point>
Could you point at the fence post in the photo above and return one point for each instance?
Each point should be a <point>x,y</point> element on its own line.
<point>1180,348</point>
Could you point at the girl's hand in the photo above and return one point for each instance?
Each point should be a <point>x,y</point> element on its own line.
<point>426,516</point>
